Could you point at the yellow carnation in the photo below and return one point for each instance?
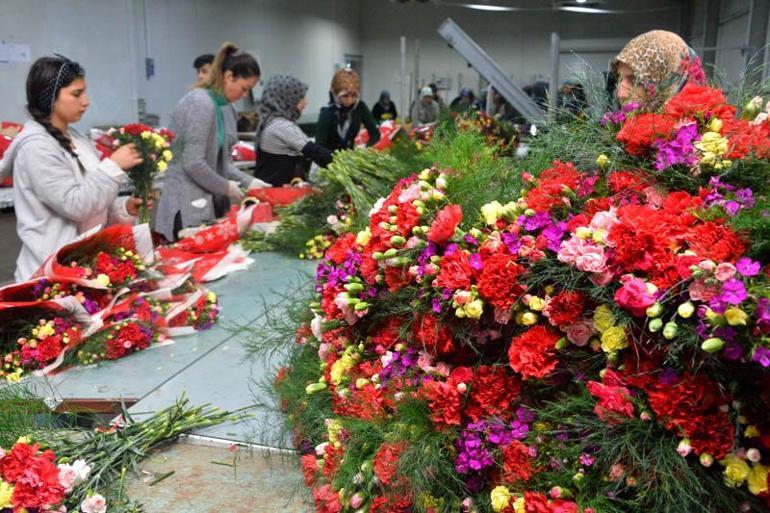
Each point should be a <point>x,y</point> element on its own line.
<point>492,212</point>
<point>736,470</point>
<point>500,497</point>
<point>167,155</point>
<point>6,492</point>
<point>603,318</point>
<point>162,166</point>
<point>602,160</point>
<point>614,339</point>
<point>757,479</point>
<point>736,317</point>
<point>474,309</point>
<point>363,237</point>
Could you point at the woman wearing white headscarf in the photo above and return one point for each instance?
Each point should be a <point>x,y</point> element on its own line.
<point>283,148</point>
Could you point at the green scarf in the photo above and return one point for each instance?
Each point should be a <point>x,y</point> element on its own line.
<point>219,102</point>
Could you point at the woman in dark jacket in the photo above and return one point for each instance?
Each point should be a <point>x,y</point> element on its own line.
<point>340,122</point>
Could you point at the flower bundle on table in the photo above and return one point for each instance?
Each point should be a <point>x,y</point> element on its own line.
<point>507,360</point>
<point>154,147</point>
<point>498,135</point>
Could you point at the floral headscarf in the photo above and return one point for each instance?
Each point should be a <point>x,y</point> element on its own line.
<point>279,100</point>
<point>662,64</point>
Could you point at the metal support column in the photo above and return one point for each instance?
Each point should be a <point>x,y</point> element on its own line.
<point>553,85</point>
<point>404,84</point>
<point>757,40</point>
<point>711,32</point>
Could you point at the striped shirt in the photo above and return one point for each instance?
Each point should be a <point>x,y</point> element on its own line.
<point>283,137</point>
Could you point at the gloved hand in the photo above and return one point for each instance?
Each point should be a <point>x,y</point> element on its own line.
<point>258,184</point>
<point>234,191</point>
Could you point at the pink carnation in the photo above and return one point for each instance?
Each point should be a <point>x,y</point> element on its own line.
<point>633,295</point>
<point>604,220</point>
<point>585,256</point>
<point>579,332</point>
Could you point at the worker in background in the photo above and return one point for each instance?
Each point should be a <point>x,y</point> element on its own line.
<point>384,109</point>
<point>340,121</point>
<point>465,102</point>
<point>202,180</point>
<point>426,109</point>
<point>202,65</point>
<point>437,97</point>
<point>284,149</point>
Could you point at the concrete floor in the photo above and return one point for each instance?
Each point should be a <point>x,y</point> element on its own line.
<point>216,479</point>
<point>9,246</point>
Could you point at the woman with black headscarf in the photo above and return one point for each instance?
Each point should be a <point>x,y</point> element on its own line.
<point>282,147</point>
<point>384,109</point>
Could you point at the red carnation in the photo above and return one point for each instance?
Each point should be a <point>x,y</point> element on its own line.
<point>536,503</point>
<point>533,354</point>
<point>699,101</point>
<point>565,308</point>
<point>443,402</point>
<point>456,271</point>
<point>715,242</point>
<point>49,348</point>
<point>517,463</point>
<point>640,132</point>
<point>338,251</point>
<point>386,461</point>
<point>492,393</point>
<point>443,227</point>
<point>34,475</point>
<point>613,402</point>
<point>327,500</point>
<point>136,129</point>
<point>620,181</point>
<point>309,469</point>
<point>551,186</point>
<point>498,282</point>
<point>397,278</point>
<point>433,335</point>
<point>387,333</point>
<point>407,218</point>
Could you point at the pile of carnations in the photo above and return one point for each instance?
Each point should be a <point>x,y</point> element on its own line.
<point>31,480</point>
<point>600,343</point>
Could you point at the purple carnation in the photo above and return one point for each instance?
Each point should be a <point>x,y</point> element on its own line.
<point>762,356</point>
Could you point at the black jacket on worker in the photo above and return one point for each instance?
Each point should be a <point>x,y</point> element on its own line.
<point>338,127</point>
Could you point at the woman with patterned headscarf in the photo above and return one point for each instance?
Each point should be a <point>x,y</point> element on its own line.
<point>653,67</point>
<point>283,148</point>
<point>339,123</point>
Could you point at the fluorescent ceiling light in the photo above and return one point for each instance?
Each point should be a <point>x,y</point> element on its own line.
<point>484,7</point>
<point>586,10</point>
<point>580,1</point>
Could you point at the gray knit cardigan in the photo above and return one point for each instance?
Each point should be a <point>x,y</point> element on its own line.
<point>198,170</point>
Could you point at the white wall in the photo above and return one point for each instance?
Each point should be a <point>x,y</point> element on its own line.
<point>304,38</point>
<point>96,33</point>
<point>518,41</point>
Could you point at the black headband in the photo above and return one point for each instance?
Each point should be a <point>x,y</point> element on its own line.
<point>68,71</point>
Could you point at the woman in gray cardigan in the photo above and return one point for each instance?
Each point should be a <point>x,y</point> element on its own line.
<point>202,180</point>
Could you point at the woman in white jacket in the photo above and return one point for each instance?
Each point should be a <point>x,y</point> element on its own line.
<point>61,186</point>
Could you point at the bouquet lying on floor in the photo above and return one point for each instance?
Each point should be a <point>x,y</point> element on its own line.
<point>600,343</point>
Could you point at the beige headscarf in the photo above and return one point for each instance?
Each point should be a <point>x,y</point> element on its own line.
<point>662,64</point>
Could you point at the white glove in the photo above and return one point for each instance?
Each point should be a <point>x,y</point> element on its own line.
<point>258,184</point>
<point>234,191</point>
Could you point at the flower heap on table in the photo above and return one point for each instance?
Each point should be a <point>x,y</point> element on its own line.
<point>569,350</point>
